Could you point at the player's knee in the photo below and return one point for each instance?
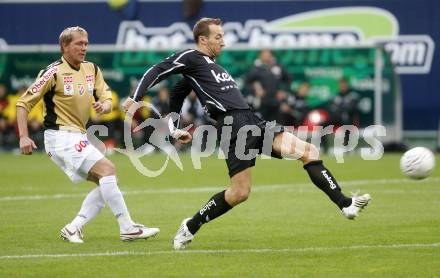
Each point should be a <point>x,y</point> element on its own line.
<point>104,168</point>
<point>100,206</point>
<point>311,154</point>
<point>109,169</point>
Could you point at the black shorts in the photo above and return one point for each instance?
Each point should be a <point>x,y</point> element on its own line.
<point>242,146</point>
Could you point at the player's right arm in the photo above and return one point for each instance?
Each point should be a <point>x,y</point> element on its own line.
<point>44,82</point>
<point>26,143</point>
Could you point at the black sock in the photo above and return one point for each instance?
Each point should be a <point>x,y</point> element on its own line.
<point>323,179</point>
<point>215,207</point>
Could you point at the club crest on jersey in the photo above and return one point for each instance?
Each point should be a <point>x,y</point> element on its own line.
<point>68,89</point>
<point>81,89</point>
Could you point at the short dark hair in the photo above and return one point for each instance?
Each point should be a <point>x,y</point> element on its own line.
<point>201,28</point>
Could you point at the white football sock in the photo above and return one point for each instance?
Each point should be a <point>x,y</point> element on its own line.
<point>90,208</point>
<point>114,199</point>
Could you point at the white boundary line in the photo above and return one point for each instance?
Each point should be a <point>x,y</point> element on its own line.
<point>256,188</point>
<point>224,251</point>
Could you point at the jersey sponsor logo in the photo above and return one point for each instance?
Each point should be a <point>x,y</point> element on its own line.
<point>81,145</point>
<point>90,78</point>
<point>36,87</point>
<point>67,79</point>
<point>81,89</point>
<point>222,77</point>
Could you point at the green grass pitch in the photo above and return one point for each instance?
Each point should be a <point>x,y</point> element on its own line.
<point>287,228</point>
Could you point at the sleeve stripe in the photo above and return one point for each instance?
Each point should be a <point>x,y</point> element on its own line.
<point>162,73</point>
<point>136,92</point>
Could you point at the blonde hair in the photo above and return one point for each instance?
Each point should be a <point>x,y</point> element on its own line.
<point>67,35</point>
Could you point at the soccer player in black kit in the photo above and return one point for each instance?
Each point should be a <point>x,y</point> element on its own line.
<point>223,101</point>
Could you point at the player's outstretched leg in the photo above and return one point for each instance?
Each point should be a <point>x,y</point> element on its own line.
<point>358,203</point>
<point>289,145</point>
<point>90,208</point>
<point>324,180</point>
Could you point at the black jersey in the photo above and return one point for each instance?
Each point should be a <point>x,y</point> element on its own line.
<point>216,89</point>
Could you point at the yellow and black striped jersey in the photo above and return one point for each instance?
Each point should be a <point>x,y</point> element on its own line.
<point>68,94</point>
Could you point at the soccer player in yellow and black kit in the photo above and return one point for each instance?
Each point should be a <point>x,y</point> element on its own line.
<point>70,87</point>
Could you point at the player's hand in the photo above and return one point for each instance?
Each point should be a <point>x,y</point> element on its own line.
<point>27,145</point>
<point>98,107</point>
<point>182,136</point>
<point>127,104</point>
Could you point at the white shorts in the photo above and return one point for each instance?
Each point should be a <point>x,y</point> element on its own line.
<point>72,152</point>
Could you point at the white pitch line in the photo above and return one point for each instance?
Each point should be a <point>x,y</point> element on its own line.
<point>255,188</point>
<point>223,251</point>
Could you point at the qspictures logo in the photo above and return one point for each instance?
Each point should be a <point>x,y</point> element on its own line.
<point>336,27</point>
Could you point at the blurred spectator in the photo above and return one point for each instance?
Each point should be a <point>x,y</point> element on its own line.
<point>35,125</point>
<point>343,108</point>
<point>263,82</point>
<point>192,111</point>
<point>294,108</point>
<point>9,137</point>
<point>160,102</point>
<point>10,111</point>
<point>3,98</point>
<point>3,120</point>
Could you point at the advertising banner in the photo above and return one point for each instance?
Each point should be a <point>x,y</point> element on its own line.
<point>408,30</point>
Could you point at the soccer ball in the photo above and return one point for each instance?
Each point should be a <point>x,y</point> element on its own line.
<point>417,163</point>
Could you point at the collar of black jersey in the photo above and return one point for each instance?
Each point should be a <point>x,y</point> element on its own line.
<point>70,65</point>
<point>204,54</point>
